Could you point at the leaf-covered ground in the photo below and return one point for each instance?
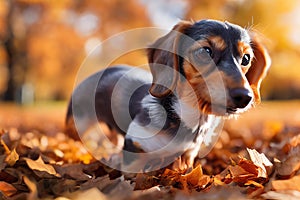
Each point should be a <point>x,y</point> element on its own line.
<point>257,156</point>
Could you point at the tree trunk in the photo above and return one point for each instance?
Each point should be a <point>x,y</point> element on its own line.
<point>16,57</point>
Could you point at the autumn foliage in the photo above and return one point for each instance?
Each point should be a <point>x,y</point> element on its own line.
<point>43,44</point>
<point>39,165</point>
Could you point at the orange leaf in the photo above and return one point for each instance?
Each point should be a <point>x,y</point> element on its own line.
<point>7,151</point>
<point>290,184</point>
<point>249,166</point>
<point>239,174</point>
<point>194,176</point>
<point>12,158</point>
<point>7,189</point>
<point>170,177</point>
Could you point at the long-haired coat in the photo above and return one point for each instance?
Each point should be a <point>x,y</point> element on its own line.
<point>201,73</point>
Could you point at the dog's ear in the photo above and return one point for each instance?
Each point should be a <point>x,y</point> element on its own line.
<point>163,60</point>
<point>259,66</point>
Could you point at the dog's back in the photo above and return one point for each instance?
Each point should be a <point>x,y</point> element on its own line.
<point>107,96</point>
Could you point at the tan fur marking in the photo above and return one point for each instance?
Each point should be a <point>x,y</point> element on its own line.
<point>244,48</point>
<point>218,42</point>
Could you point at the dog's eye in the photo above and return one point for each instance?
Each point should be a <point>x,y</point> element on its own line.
<point>203,55</point>
<point>208,51</point>
<point>204,51</point>
<point>246,59</point>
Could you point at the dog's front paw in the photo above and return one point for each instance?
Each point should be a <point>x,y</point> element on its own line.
<point>185,162</point>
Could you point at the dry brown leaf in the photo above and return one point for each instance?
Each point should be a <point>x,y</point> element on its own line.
<point>58,186</point>
<point>295,141</point>
<point>291,143</point>
<point>194,176</point>
<point>2,163</point>
<point>239,175</point>
<point>41,166</point>
<point>7,189</point>
<point>204,181</point>
<point>32,187</point>
<point>255,189</point>
<point>195,180</point>
<point>217,180</point>
<point>7,151</point>
<point>73,171</point>
<point>289,184</point>
<point>170,177</point>
<point>254,183</point>
<point>291,165</point>
<point>12,157</point>
<point>100,183</point>
<point>144,181</point>
<point>262,162</point>
<point>249,166</point>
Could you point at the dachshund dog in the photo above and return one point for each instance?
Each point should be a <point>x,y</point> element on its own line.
<point>201,73</point>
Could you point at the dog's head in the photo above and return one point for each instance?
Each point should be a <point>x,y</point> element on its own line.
<point>223,63</point>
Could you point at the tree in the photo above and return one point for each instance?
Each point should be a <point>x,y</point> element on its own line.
<point>16,53</point>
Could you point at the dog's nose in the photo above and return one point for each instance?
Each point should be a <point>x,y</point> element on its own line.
<point>241,97</point>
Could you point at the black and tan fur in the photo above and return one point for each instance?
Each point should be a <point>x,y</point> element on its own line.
<point>183,100</point>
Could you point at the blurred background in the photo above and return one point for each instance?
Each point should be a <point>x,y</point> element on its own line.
<point>44,42</point>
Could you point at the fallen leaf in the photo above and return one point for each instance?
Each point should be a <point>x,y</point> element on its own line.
<point>12,157</point>
<point>100,183</point>
<point>194,176</point>
<point>196,179</point>
<point>40,166</point>
<point>250,167</point>
<point>239,175</point>
<point>291,143</point>
<point>144,181</point>
<point>2,163</point>
<point>7,189</point>
<point>32,187</point>
<point>289,184</point>
<point>7,151</point>
<point>204,181</point>
<point>58,186</point>
<point>171,178</point>
<point>73,171</point>
<point>254,183</point>
<point>262,162</point>
<point>255,190</point>
<point>280,195</point>
<point>291,165</point>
